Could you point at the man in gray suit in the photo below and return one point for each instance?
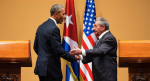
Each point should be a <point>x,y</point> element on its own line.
<point>103,56</point>
<point>47,46</point>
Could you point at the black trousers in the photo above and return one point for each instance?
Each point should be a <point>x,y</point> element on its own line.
<point>48,78</point>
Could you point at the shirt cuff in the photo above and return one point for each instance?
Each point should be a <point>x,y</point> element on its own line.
<point>83,53</point>
<point>81,57</point>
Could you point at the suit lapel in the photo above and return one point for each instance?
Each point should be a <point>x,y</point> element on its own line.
<point>99,43</point>
<point>100,40</point>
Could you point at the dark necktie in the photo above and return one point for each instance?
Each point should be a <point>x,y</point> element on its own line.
<point>97,41</point>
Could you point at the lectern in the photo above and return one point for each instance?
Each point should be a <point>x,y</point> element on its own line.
<point>13,56</point>
<point>135,54</point>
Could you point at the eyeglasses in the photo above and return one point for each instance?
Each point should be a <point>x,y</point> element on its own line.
<point>95,26</point>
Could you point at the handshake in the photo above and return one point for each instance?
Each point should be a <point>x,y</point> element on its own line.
<point>77,51</point>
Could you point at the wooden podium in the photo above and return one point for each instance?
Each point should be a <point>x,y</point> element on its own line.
<point>135,54</point>
<point>13,56</point>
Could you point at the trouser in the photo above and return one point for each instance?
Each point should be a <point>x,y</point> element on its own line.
<point>48,78</point>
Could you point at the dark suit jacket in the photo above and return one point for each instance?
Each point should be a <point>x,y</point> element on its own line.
<point>103,58</point>
<point>47,46</point>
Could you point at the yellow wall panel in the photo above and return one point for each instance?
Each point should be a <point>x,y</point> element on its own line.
<point>19,19</point>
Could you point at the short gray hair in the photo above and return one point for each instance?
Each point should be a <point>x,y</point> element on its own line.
<point>103,21</point>
<point>56,8</point>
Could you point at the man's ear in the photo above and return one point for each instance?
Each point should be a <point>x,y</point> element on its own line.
<point>56,13</point>
<point>103,26</point>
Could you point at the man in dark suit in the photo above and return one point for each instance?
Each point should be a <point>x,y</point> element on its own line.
<point>47,46</point>
<point>103,56</point>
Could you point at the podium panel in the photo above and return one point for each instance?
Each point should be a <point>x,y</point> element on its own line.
<point>13,56</point>
<point>135,54</point>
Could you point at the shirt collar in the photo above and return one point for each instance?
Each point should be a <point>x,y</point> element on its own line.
<point>103,34</point>
<point>54,20</point>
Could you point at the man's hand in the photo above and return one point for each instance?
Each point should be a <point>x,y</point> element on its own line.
<point>76,51</point>
<point>77,57</point>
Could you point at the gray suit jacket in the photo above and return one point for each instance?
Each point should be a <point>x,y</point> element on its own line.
<point>103,58</point>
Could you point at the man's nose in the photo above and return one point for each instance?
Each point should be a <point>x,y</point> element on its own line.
<point>94,29</point>
<point>64,16</point>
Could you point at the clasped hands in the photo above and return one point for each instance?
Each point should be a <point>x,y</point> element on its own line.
<point>77,51</point>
